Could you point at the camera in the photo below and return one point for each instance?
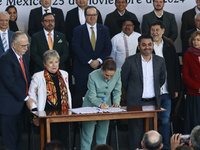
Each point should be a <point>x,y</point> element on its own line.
<point>185,139</point>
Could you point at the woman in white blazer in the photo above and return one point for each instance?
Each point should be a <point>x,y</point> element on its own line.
<point>50,90</point>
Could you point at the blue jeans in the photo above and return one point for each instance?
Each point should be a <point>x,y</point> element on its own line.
<point>163,120</point>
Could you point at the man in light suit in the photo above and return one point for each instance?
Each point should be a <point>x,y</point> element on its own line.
<point>14,81</point>
<point>188,19</point>
<point>168,19</point>
<point>88,55</point>
<point>4,23</point>
<point>40,44</point>
<point>142,76</point>
<point>35,15</point>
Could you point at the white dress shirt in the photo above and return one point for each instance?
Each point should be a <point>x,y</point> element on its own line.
<point>159,51</point>
<point>44,12</point>
<point>148,79</point>
<point>6,36</point>
<point>81,15</point>
<point>118,47</point>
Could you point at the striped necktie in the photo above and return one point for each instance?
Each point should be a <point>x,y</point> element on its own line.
<point>126,46</point>
<point>4,41</point>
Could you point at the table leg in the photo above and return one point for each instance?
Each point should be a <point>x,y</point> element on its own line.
<point>155,121</point>
<point>48,130</point>
<point>41,134</point>
<point>146,124</point>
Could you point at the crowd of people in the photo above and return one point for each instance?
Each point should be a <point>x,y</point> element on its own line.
<point>80,62</point>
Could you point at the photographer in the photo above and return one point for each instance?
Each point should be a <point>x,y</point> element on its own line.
<point>175,140</point>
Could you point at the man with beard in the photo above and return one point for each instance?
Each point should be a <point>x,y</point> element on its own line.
<point>142,76</point>
<point>47,39</point>
<point>171,87</point>
<point>168,19</point>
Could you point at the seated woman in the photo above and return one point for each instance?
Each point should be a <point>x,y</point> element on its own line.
<point>102,83</point>
<point>14,25</point>
<point>50,89</point>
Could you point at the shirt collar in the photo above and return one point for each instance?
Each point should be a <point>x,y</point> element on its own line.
<point>46,32</point>
<point>4,32</point>
<point>197,10</point>
<point>157,15</point>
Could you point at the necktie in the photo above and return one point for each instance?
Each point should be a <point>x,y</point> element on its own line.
<point>24,72</point>
<point>126,46</point>
<point>93,41</point>
<point>4,41</point>
<point>46,11</point>
<point>50,41</point>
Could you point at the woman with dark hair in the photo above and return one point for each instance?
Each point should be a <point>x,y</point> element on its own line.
<point>191,79</point>
<point>14,25</point>
<point>102,83</point>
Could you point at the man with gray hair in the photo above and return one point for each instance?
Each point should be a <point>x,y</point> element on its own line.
<point>5,34</point>
<point>152,140</point>
<point>188,33</point>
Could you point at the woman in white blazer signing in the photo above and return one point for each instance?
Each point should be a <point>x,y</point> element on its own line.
<point>50,89</point>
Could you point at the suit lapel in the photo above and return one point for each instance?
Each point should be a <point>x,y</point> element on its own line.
<point>43,38</point>
<point>1,45</point>
<point>139,65</point>
<point>77,17</point>
<point>87,38</point>
<point>155,69</point>
<point>9,38</point>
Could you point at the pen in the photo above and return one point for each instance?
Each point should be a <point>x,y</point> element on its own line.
<point>103,99</point>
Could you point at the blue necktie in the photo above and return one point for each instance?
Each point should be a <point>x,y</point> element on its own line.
<point>4,41</point>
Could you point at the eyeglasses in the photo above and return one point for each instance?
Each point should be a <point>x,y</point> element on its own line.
<point>25,46</point>
<point>50,20</point>
<point>128,25</point>
<point>91,15</point>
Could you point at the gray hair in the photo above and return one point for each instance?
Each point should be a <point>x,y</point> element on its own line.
<point>148,144</point>
<point>49,55</point>
<point>5,13</point>
<point>15,36</point>
<point>195,17</point>
<point>195,137</point>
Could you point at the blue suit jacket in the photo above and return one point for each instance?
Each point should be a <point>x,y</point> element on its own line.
<point>12,83</point>
<point>83,51</point>
<point>10,33</point>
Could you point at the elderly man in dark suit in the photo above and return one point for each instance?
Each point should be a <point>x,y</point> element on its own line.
<point>14,82</point>
<point>142,76</point>
<point>35,15</point>
<point>188,33</point>
<point>168,19</point>
<point>47,39</point>
<point>91,44</point>
<point>188,19</point>
<point>5,34</point>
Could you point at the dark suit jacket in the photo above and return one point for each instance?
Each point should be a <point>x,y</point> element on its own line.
<point>12,83</point>
<point>187,21</point>
<point>39,45</point>
<point>171,29</point>
<point>34,24</point>
<point>72,21</point>
<point>113,22</point>
<point>83,51</point>
<point>10,33</point>
<point>185,41</point>
<point>132,78</point>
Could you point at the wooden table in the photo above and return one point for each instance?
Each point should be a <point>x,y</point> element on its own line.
<point>48,117</point>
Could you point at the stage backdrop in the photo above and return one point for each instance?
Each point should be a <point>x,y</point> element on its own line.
<point>139,7</point>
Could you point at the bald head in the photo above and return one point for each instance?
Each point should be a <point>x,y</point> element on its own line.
<point>152,140</point>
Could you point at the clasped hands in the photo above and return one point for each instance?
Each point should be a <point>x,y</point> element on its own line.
<point>94,64</point>
<point>105,106</point>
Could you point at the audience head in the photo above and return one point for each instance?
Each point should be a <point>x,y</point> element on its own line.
<point>45,3</point>
<point>108,68</point>
<point>121,5</point>
<point>4,20</point>
<point>195,138</point>
<point>197,20</point>
<point>48,22</point>
<point>183,147</point>
<point>54,145</point>
<point>12,11</point>
<point>145,44</point>
<point>51,60</point>
<point>194,40</point>
<point>152,140</point>
<point>157,30</point>
<point>20,42</point>
<point>91,15</point>
<point>128,24</point>
<point>103,147</point>
<point>198,4</point>
<point>158,5</point>
<point>82,3</point>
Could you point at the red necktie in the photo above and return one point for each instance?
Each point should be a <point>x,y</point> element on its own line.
<point>24,72</point>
